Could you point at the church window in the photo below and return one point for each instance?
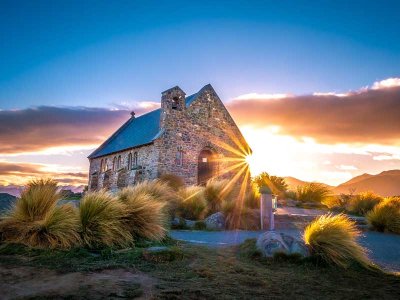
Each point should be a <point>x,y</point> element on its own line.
<point>179,156</point>
<point>105,167</point>
<point>130,161</point>
<point>175,101</point>
<point>114,163</point>
<point>119,162</point>
<point>135,159</point>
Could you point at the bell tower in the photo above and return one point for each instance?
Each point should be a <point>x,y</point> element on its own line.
<point>173,99</point>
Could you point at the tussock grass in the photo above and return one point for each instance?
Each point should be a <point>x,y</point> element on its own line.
<point>173,181</point>
<point>102,219</point>
<point>157,189</point>
<point>313,192</point>
<point>252,198</point>
<point>145,216</point>
<point>362,203</point>
<point>334,240</point>
<point>217,191</point>
<point>37,222</point>
<point>385,216</point>
<point>240,217</point>
<point>192,203</point>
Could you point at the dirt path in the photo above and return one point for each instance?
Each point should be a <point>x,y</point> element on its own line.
<point>29,282</point>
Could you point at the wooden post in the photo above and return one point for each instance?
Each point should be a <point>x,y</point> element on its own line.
<point>266,209</point>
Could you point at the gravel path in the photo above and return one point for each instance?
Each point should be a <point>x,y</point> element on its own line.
<point>384,248</point>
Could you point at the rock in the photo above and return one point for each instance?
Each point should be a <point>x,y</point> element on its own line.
<point>190,224</point>
<point>299,247</point>
<point>215,221</point>
<point>270,243</point>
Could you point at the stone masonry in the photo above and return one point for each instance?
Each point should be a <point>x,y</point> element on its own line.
<point>188,128</point>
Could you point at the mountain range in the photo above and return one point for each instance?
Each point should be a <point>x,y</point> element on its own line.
<point>386,183</point>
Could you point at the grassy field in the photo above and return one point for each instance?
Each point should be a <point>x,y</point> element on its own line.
<point>186,272</point>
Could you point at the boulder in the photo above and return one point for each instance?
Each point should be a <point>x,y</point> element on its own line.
<point>215,221</point>
<point>271,242</point>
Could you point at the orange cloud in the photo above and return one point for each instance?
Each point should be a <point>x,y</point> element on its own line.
<point>37,129</point>
<point>367,116</point>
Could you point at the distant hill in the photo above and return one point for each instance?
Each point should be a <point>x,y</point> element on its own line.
<point>16,190</point>
<point>6,201</point>
<point>293,183</point>
<point>386,183</point>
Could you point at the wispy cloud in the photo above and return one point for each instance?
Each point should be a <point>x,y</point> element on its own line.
<point>366,116</point>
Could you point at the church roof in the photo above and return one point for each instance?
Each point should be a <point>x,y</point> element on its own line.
<point>135,132</point>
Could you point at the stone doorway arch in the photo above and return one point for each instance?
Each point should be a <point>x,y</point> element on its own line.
<point>206,166</point>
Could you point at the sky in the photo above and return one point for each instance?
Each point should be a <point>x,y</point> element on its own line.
<point>313,85</point>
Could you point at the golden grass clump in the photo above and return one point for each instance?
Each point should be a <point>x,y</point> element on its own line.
<point>175,182</point>
<point>333,238</point>
<point>192,203</point>
<point>386,215</point>
<point>252,197</point>
<point>217,191</point>
<point>145,216</point>
<point>362,203</point>
<point>159,190</point>
<point>313,192</point>
<point>37,222</point>
<point>240,217</point>
<point>102,219</point>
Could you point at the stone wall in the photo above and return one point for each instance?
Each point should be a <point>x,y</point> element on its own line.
<point>124,176</point>
<point>204,124</point>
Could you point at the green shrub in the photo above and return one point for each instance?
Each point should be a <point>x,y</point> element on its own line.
<point>145,216</point>
<point>103,220</point>
<point>385,216</point>
<point>173,181</point>
<point>362,203</point>
<point>334,240</point>
<point>192,204</point>
<point>217,191</point>
<point>37,222</point>
<point>277,184</point>
<point>313,192</point>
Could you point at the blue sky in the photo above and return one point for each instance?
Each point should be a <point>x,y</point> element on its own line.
<point>99,53</point>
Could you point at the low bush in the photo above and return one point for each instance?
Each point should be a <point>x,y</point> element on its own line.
<point>173,181</point>
<point>334,240</point>
<point>192,204</point>
<point>313,192</point>
<point>362,203</point>
<point>217,191</point>
<point>385,216</point>
<point>37,222</point>
<point>103,221</point>
<point>145,216</point>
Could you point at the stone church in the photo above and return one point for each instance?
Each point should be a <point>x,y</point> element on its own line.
<point>193,137</point>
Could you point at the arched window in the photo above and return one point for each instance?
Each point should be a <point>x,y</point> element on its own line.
<point>130,161</point>
<point>114,166</point>
<point>179,156</point>
<point>135,159</point>
<point>105,165</point>
<point>119,163</point>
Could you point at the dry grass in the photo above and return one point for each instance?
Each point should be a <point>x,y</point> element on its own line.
<point>334,240</point>
<point>173,181</point>
<point>240,217</point>
<point>362,203</point>
<point>217,191</point>
<point>146,217</point>
<point>192,203</point>
<point>313,192</point>
<point>102,219</point>
<point>386,215</point>
<point>252,198</point>
<point>37,222</point>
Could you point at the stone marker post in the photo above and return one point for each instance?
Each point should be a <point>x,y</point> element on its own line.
<point>266,209</point>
